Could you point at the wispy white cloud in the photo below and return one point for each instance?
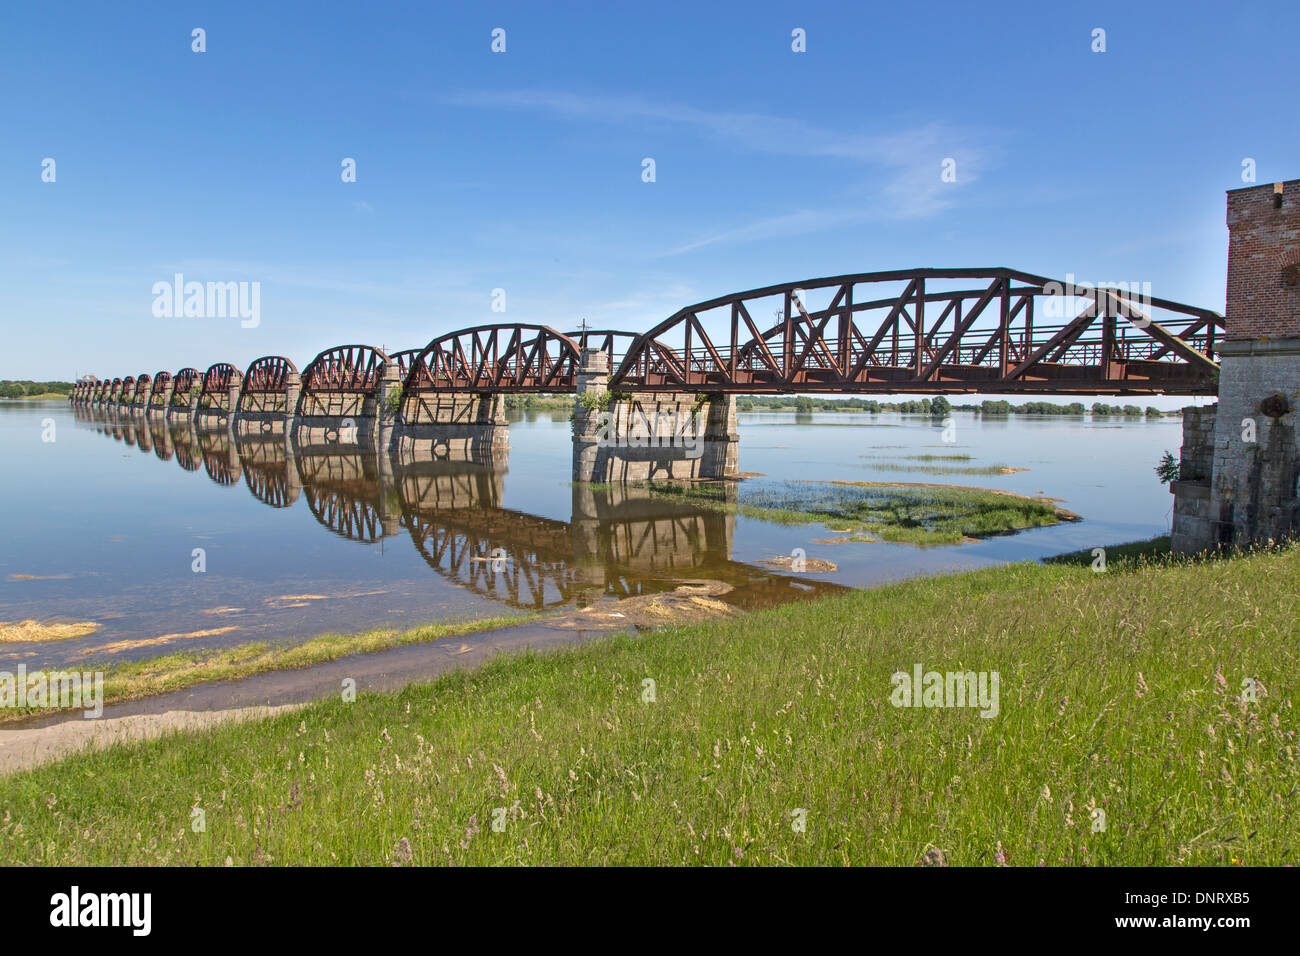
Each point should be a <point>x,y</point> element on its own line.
<point>904,181</point>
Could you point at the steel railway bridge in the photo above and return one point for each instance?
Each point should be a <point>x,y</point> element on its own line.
<point>923,331</point>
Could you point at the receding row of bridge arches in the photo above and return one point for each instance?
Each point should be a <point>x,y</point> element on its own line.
<point>919,330</point>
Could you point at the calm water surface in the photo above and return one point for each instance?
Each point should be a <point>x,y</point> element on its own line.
<point>101,524</point>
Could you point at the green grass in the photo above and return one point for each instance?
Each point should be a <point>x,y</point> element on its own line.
<point>899,513</point>
<point>130,680</point>
<point>1118,691</point>
<point>1133,555</point>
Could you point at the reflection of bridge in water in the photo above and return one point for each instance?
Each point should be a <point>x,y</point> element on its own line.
<point>621,540</point>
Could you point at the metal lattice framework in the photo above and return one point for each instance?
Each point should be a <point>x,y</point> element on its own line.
<point>161,382</point>
<point>186,379</point>
<point>936,330</point>
<point>496,358</point>
<point>126,386</point>
<point>270,373</point>
<point>918,330</point>
<point>346,368</point>
<point>143,385</point>
<point>404,360</point>
<point>915,330</point>
<point>613,343</point>
<point>219,378</point>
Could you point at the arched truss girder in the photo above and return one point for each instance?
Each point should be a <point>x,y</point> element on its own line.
<point>143,384</point>
<point>496,358</point>
<point>270,373</point>
<point>404,360</point>
<point>346,368</point>
<point>612,342</point>
<point>186,379</point>
<point>219,378</point>
<point>161,382</point>
<point>985,335</point>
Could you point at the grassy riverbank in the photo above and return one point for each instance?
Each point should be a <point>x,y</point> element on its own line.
<point>131,680</point>
<point>1119,691</point>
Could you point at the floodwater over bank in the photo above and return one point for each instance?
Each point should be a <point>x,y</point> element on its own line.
<point>172,541</point>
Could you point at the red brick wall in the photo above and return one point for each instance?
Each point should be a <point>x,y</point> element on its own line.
<point>1263,263</point>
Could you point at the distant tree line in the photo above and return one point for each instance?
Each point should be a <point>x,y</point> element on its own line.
<point>10,388</point>
<point>938,406</point>
<point>805,403</point>
<point>1048,408</point>
<point>539,401</point>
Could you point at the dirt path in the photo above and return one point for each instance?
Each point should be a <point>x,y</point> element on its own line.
<point>28,746</point>
<point>30,743</point>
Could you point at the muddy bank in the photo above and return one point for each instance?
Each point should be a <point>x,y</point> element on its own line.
<point>44,739</point>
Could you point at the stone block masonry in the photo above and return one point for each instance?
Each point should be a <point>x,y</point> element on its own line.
<point>1249,495</point>
<point>648,436</point>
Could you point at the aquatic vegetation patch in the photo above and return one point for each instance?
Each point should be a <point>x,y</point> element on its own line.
<point>131,680</point>
<point>896,512</point>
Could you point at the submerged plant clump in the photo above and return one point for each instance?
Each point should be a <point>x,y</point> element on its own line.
<point>901,513</point>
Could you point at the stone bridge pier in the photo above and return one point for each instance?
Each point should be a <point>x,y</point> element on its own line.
<point>1239,467</point>
<point>451,426</point>
<point>648,436</point>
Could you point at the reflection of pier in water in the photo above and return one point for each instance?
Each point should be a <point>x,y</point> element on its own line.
<point>622,541</point>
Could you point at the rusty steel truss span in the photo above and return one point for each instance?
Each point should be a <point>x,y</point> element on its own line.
<point>219,378</point>
<point>346,368</point>
<point>161,382</point>
<point>496,358</point>
<point>270,373</point>
<point>934,330</point>
<point>186,379</point>
<point>920,330</point>
<point>923,331</point>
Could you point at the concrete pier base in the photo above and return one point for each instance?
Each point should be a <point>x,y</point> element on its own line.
<point>268,414</point>
<point>216,413</point>
<point>339,421</point>
<point>160,403</point>
<point>1254,497</point>
<point>650,436</point>
<point>451,426</point>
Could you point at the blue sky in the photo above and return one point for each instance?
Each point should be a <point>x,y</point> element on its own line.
<point>522,170</point>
